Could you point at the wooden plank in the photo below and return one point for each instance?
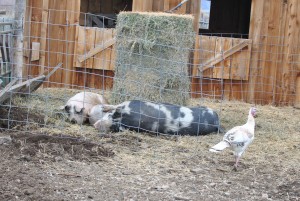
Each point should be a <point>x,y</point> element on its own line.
<point>220,57</point>
<point>166,5</point>
<point>194,9</point>
<point>148,5</point>
<point>26,51</point>
<point>22,88</point>
<point>255,31</point>
<point>208,51</point>
<point>272,44</point>
<point>280,52</point>
<point>84,7</point>
<point>137,5</point>
<point>240,62</point>
<point>78,47</point>
<point>158,5</point>
<point>35,52</point>
<point>56,39</point>
<point>222,69</point>
<point>43,39</point>
<point>205,86</point>
<point>98,48</point>
<point>80,77</point>
<point>73,16</point>
<point>293,42</point>
<point>27,30</point>
<point>113,54</point>
<point>260,95</point>
<point>32,85</point>
<point>35,31</point>
<point>4,93</point>
<point>103,59</point>
<point>8,86</point>
<point>85,41</point>
<point>53,71</point>
<point>196,57</point>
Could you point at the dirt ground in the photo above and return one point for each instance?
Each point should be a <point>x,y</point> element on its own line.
<point>51,159</point>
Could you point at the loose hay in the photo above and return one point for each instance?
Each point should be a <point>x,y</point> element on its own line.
<point>152,56</point>
<point>162,167</point>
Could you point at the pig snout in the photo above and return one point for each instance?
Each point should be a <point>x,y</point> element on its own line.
<point>79,106</point>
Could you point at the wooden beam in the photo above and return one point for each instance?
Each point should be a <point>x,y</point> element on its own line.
<point>213,61</point>
<point>23,87</point>
<point>44,30</point>
<point>8,86</point>
<point>98,22</point>
<point>256,30</point>
<point>96,50</point>
<point>26,87</point>
<point>53,71</point>
<point>29,86</point>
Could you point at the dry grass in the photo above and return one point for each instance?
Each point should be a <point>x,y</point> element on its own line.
<point>269,168</point>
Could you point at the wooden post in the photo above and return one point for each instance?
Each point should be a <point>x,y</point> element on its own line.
<point>256,31</point>
<point>43,40</point>
<point>18,40</point>
<point>297,99</point>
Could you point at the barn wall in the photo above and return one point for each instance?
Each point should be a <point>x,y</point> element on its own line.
<point>52,24</point>
<point>274,28</point>
<point>274,61</point>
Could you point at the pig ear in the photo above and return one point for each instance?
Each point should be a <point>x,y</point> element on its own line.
<point>108,108</point>
<point>65,107</point>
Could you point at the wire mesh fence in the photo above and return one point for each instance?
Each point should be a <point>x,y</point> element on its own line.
<point>218,68</point>
<point>160,147</point>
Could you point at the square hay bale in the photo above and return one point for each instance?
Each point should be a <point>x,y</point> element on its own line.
<point>152,57</point>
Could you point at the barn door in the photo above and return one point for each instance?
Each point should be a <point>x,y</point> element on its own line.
<point>221,57</point>
<point>94,48</point>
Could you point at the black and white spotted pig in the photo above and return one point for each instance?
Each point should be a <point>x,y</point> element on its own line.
<point>158,118</point>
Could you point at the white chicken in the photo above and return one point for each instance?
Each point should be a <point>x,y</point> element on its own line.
<point>238,138</point>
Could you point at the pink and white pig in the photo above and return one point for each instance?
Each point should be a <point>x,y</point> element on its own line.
<point>79,106</point>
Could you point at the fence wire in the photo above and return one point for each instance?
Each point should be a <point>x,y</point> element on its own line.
<point>219,68</point>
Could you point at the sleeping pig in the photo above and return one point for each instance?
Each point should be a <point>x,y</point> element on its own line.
<point>161,118</point>
<point>79,106</point>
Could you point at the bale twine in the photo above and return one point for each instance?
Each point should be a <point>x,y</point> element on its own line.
<point>152,52</point>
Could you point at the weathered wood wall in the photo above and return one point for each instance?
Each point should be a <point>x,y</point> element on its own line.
<point>275,31</point>
<point>274,60</point>
<point>220,66</point>
<point>273,66</point>
<point>53,24</point>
